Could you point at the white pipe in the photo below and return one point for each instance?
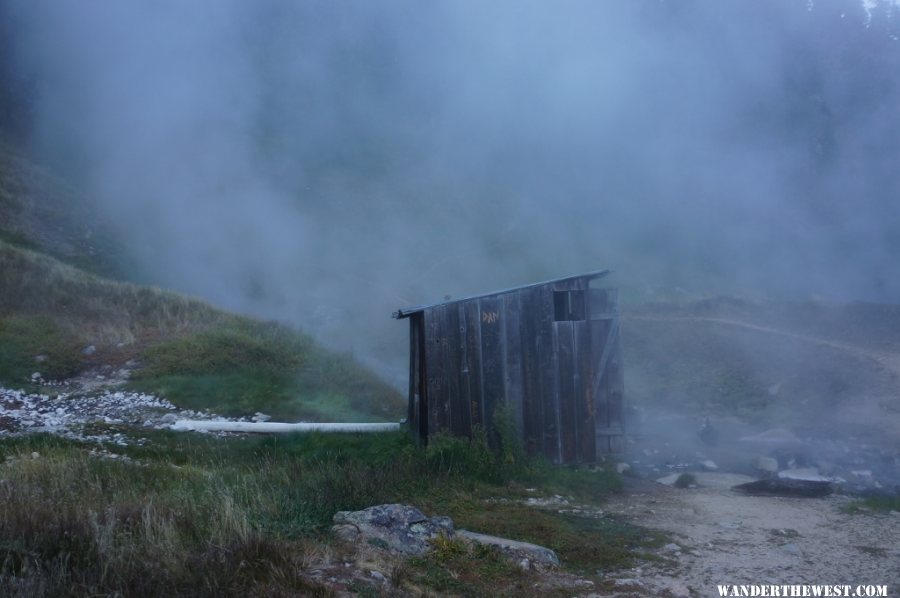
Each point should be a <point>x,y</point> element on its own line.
<point>275,427</point>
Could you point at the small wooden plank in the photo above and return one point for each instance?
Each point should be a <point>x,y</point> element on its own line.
<point>435,369</point>
<point>616,392</point>
<point>599,332</point>
<point>584,414</point>
<point>529,316</point>
<point>549,380</point>
<point>566,379</point>
<point>512,361</point>
<point>491,360</point>
<point>421,377</point>
<point>412,406</point>
<point>465,389</point>
<point>452,367</point>
<point>473,363</point>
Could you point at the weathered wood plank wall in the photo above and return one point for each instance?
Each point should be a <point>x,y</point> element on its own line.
<point>550,353</point>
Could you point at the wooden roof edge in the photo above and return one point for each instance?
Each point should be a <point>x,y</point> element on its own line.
<point>408,311</point>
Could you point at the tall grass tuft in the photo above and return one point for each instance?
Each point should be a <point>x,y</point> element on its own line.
<point>189,515</point>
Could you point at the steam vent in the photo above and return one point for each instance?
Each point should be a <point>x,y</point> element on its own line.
<point>550,353</point>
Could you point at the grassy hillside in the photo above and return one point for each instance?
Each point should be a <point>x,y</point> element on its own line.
<point>40,211</point>
<point>188,351</point>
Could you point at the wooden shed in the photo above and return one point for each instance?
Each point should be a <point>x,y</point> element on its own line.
<point>550,352</point>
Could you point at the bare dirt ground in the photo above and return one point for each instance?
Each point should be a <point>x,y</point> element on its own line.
<point>726,537</point>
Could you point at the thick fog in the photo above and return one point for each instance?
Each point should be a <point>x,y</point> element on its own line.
<point>324,163</point>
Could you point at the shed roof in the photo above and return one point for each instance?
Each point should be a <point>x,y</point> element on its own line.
<point>408,311</point>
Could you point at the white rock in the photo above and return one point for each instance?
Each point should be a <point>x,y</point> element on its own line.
<point>670,479</point>
<point>809,474</point>
<point>709,465</point>
<point>767,464</point>
<point>679,590</point>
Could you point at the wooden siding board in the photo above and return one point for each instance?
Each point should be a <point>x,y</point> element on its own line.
<point>422,377</point>
<point>440,337</point>
<point>473,363</point>
<point>531,389</point>
<point>512,362</point>
<point>473,355</point>
<point>616,396</point>
<point>587,451</point>
<point>452,367</point>
<point>412,415</point>
<point>434,369</point>
<point>492,315</point>
<point>465,389</point>
<point>566,379</point>
<point>547,359</point>
<point>599,331</point>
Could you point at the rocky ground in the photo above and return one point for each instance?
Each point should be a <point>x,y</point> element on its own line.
<point>73,408</point>
<point>726,537</point>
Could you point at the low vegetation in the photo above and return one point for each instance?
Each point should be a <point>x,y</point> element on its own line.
<point>40,211</point>
<point>193,354</point>
<point>187,514</point>
<point>878,503</point>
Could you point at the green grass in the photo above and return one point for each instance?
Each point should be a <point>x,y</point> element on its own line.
<point>469,570</point>
<point>196,515</point>
<point>192,354</point>
<point>24,339</point>
<point>883,504</point>
<point>249,367</point>
<point>39,211</point>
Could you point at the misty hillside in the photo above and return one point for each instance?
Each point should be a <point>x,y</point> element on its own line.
<point>825,368</point>
<point>323,164</point>
<point>38,210</point>
<point>61,321</point>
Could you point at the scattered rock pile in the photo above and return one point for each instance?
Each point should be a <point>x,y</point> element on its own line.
<point>406,530</point>
<point>71,413</point>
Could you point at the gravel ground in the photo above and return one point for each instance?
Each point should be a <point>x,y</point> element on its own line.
<point>72,408</point>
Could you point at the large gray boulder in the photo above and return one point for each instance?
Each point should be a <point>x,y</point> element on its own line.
<point>400,528</point>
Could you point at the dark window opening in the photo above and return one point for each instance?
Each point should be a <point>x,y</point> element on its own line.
<point>568,306</point>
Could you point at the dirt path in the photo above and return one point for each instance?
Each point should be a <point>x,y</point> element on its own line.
<point>727,538</point>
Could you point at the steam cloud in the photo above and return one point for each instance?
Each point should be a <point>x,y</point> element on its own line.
<point>324,163</point>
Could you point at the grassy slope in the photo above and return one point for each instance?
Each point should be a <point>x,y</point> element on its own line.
<point>193,354</point>
<point>41,212</point>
